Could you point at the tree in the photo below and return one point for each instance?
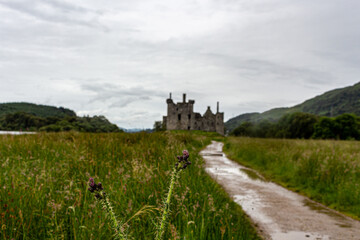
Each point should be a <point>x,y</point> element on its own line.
<point>347,126</point>
<point>245,129</point>
<point>296,125</point>
<point>264,129</point>
<point>302,125</point>
<point>159,126</point>
<point>326,128</point>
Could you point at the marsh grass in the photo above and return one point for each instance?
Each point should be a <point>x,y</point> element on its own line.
<point>44,182</point>
<point>326,170</point>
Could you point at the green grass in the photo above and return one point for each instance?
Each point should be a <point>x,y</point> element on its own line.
<point>325,170</point>
<point>44,177</point>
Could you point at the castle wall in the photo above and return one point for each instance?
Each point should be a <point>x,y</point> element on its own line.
<point>209,120</point>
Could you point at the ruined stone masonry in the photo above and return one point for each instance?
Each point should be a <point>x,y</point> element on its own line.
<point>181,116</point>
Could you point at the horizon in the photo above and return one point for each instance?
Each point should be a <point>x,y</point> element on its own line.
<point>136,128</point>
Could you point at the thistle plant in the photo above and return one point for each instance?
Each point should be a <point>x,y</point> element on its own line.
<point>100,195</point>
<point>183,162</point>
<point>103,199</point>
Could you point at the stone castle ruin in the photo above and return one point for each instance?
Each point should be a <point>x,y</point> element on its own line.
<point>181,116</point>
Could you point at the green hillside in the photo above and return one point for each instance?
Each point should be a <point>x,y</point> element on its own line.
<point>332,103</point>
<point>35,109</point>
<point>247,117</point>
<point>33,117</point>
<point>335,102</point>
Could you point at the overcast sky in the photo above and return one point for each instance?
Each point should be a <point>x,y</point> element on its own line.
<point>122,58</point>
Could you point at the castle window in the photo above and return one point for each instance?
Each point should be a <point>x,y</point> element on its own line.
<point>189,116</point>
<point>179,117</point>
<point>188,127</point>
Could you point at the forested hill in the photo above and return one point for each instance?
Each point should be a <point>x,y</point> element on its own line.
<point>33,117</point>
<point>332,103</point>
<point>34,109</point>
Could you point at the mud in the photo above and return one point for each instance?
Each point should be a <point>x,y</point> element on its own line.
<point>278,213</point>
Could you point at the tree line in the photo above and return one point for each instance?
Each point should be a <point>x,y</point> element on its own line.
<point>303,126</point>
<point>21,121</point>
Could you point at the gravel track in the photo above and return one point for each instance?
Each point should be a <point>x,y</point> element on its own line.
<point>278,213</point>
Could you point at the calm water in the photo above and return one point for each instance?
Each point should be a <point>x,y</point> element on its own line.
<point>15,132</point>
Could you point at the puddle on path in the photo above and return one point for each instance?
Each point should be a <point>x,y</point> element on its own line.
<point>253,174</point>
<point>279,213</point>
<point>298,236</point>
<point>332,213</point>
<point>213,154</point>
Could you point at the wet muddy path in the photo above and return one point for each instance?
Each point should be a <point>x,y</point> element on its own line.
<point>278,213</point>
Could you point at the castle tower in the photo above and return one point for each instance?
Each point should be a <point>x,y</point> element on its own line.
<point>219,122</point>
<point>180,115</point>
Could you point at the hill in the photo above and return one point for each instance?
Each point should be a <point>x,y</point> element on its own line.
<point>35,110</point>
<point>332,103</point>
<point>33,117</point>
<point>236,121</point>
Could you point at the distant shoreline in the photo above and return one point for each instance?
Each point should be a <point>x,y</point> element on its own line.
<point>15,132</point>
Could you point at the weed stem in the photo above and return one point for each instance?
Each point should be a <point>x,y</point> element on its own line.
<point>166,207</point>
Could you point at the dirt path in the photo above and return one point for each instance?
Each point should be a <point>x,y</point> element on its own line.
<point>279,213</point>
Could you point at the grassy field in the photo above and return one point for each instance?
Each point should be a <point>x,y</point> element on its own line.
<point>44,177</point>
<point>325,170</point>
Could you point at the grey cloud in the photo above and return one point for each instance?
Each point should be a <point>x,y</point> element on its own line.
<point>64,6</point>
<point>349,58</point>
<point>119,96</point>
<point>137,119</point>
<point>261,70</point>
<point>123,103</point>
<point>57,12</point>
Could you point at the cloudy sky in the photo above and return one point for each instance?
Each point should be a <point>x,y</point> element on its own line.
<point>122,58</point>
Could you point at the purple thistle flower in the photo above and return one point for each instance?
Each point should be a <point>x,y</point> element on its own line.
<point>91,182</point>
<point>183,159</point>
<point>96,188</point>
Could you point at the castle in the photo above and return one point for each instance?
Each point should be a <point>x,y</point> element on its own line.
<point>181,116</point>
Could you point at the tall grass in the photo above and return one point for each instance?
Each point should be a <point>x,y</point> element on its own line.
<point>44,177</point>
<point>326,170</point>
